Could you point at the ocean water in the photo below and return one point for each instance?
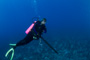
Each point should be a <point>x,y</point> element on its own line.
<point>68,29</point>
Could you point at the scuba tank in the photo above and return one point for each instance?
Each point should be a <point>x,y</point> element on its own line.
<point>32,25</point>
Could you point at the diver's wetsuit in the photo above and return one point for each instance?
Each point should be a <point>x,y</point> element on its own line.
<point>37,29</point>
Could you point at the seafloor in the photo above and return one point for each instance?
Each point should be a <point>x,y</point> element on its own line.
<point>69,48</point>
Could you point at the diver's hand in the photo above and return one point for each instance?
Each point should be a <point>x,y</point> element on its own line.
<point>34,37</point>
<point>38,35</point>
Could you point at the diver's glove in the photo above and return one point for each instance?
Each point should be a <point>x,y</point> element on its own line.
<point>38,35</point>
<point>11,51</point>
<point>34,37</point>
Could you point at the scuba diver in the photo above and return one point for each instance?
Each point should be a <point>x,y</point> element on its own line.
<point>34,32</point>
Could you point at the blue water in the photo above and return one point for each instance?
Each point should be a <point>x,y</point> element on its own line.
<point>68,28</point>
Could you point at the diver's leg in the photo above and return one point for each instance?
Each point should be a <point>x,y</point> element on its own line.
<point>26,40</point>
<point>23,42</point>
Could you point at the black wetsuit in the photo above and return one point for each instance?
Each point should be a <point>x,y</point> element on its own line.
<point>37,29</point>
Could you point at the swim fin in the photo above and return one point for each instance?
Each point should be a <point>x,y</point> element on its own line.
<point>12,45</point>
<point>10,52</point>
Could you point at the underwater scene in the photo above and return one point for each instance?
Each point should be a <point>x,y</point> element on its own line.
<point>44,29</point>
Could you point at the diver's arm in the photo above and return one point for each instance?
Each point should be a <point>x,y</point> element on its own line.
<point>45,30</point>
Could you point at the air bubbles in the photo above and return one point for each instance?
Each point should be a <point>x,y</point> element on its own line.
<point>35,1</point>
